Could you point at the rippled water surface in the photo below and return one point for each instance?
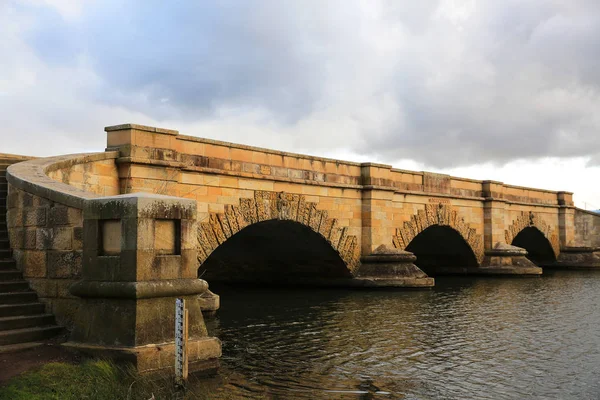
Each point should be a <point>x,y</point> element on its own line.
<point>475,338</point>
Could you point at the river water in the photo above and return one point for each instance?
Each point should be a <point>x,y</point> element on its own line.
<point>469,338</point>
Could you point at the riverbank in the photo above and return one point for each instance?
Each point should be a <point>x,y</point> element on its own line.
<point>48,371</point>
<point>95,379</point>
<point>18,359</point>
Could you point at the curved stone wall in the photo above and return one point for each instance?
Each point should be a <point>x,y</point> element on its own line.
<point>45,222</point>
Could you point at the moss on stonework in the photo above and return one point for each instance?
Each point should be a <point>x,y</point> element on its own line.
<point>99,380</point>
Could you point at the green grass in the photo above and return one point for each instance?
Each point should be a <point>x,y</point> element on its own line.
<point>97,380</point>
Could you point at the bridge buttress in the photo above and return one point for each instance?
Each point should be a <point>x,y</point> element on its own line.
<point>494,214</point>
<point>566,219</point>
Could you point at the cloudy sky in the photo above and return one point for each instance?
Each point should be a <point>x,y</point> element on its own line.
<point>498,89</point>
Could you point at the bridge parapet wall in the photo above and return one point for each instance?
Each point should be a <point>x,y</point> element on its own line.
<point>371,200</point>
<point>139,144</point>
<point>587,228</point>
<point>44,219</point>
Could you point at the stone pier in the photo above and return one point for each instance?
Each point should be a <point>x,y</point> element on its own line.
<point>139,256</point>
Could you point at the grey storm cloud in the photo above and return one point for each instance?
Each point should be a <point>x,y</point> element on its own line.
<point>446,83</point>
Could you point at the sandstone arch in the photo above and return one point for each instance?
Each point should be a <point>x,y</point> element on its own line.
<point>532,220</point>
<point>267,206</point>
<point>442,215</point>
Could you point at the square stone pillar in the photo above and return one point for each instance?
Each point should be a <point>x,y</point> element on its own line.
<point>566,219</point>
<point>139,256</point>
<point>376,206</point>
<point>494,212</point>
<point>501,258</point>
<point>145,152</point>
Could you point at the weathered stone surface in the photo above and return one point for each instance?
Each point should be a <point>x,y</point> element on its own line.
<point>579,257</point>
<point>209,302</point>
<point>62,215</point>
<point>128,297</point>
<point>31,262</point>
<point>503,249</point>
<point>443,215</point>
<point>22,238</point>
<point>586,226</point>
<point>64,264</point>
<point>56,238</point>
<point>531,219</point>
<point>505,259</point>
<point>270,205</point>
<point>392,267</point>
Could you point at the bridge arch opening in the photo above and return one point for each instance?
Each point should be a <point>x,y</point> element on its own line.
<point>442,250</point>
<point>537,245</point>
<point>274,251</point>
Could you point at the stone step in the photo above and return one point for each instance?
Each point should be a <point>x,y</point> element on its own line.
<point>14,286</point>
<point>10,276</point>
<point>8,265</point>
<point>12,348</point>
<point>18,297</point>
<point>14,310</point>
<point>26,321</point>
<point>5,254</point>
<point>4,244</point>
<point>29,334</point>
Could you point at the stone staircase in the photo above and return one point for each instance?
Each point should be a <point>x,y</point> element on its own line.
<point>22,316</point>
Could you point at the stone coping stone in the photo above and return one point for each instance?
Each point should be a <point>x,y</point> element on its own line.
<point>351,163</point>
<point>384,254</point>
<point>140,204</point>
<point>506,250</point>
<point>137,127</point>
<point>270,151</point>
<point>15,157</point>
<point>32,177</point>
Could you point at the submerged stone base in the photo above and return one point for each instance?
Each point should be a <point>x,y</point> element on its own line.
<point>203,355</point>
<point>505,259</point>
<point>577,258</point>
<point>209,303</point>
<point>387,267</point>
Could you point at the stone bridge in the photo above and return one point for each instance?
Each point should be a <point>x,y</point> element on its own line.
<point>135,225</point>
<point>271,216</point>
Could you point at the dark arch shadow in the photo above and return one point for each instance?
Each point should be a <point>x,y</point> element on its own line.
<point>442,250</point>
<point>274,251</point>
<point>537,245</point>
